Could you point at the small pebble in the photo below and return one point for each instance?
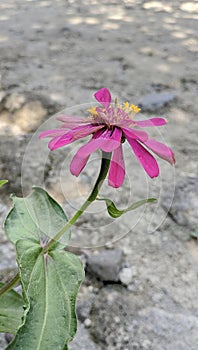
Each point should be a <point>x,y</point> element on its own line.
<point>91,288</point>
<point>125,276</point>
<point>117,319</point>
<point>146,344</point>
<point>87,323</point>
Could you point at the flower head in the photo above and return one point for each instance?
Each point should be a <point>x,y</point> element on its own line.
<point>110,125</point>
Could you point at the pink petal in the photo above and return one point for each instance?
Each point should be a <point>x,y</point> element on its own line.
<point>52,133</point>
<point>126,123</point>
<point>103,140</point>
<point>72,121</point>
<point>90,147</point>
<point>135,134</point>
<point>117,168</point>
<point>73,135</point>
<point>72,125</point>
<point>113,140</point>
<point>145,158</point>
<point>78,164</point>
<point>104,97</point>
<point>161,150</point>
<point>151,122</point>
<point>69,118</point>
<point>81,157</point>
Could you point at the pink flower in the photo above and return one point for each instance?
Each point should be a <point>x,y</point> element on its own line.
<point>110,126</point>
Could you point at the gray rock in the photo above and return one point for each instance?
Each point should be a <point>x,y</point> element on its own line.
<point>3,342</point>
<point>87,323</point>
<point>7,250</point>
<point>181,330</point>
<point>25,112</point>
<point>126,276</point>
<point>83,259</point>
<point>184,209</point>
<point>110,315</point>
<point>30,116</point>
<point>106,265</point>
<point>83,340</point>
<point>14,102</point>
<point>24,162</point>
<point>2,98</point>
<point>83,309</point>
<point>155,101</point>
<point>7,258</point>
<point>140,327</point>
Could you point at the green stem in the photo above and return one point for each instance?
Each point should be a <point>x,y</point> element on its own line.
<point>9,285</point>
<point>106,157</point>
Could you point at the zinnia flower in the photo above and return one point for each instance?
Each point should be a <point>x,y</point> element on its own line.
<point>110,126</point>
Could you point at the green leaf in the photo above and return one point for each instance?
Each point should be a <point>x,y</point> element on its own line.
<point>116,213</point>
<point>3,182</point>
<point>11,311</point>
<point>37,217</point>
<point>50,284</point>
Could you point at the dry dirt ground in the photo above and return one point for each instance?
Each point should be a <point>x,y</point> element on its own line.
<point>54,55</point>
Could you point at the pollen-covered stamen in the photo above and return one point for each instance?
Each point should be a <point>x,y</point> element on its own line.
<point>115,115</point>
<point>98,116</point>
<point>135,108</point>
<point>131,110</point>
<point>92,111</point>
<point>126,107</point>
<point>95,117</point>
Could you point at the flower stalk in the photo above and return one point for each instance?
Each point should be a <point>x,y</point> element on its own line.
<point>106,158</point>
<point>10,284</point>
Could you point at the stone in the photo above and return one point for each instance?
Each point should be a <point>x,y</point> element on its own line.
<point>184,209</point>
<point>146,344</point>
<point>14,102</point>
<point>155,101</point>
<point>2,99</point>
<point>106,265</point>
<point>141,326</point>
<point>30,116</point>
<point>83,309</point>
<point>83,340</point>
<point>87,323</point>
<point>181,330</point>
<point>3,342</point>
<point>126,276</point>
<point>25,112</point>
<point>7,250</point>
<point>83,259</point>
<point>24,162</point>
<point>117,319</point>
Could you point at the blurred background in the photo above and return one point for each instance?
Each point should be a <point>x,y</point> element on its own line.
<point>140,291</point>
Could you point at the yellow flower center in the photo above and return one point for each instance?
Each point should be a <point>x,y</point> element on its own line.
<point>92,111</point>
<point>131,110</point>
<point>114,114</point>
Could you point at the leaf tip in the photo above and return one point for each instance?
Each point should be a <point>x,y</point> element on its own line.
<point>3,182</point>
